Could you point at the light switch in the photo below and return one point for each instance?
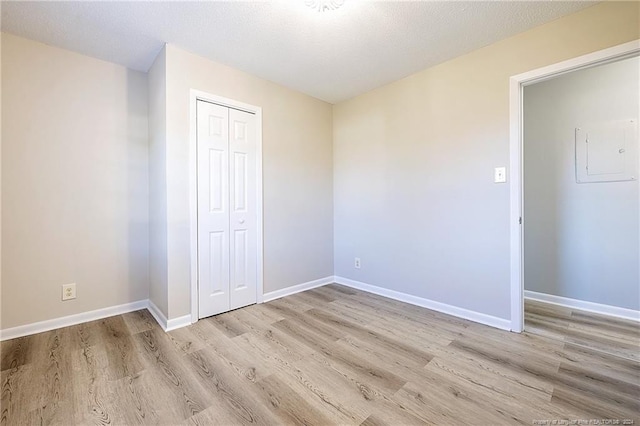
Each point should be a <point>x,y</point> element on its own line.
<point>500,175</point>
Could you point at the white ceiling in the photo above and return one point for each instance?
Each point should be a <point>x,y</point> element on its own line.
<point>332,55</point>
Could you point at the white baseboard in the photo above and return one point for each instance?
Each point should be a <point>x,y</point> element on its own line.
<point>179,322</point>
<point>478,317</point>
<point>583,305</point>
<point>52,324</point>
<point>272,295</point>
<point>157,314</point>
<point>168,325</point>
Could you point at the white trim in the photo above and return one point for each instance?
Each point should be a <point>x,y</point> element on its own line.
<point>610,54</point>
<point>583,305</point>
<point>52,324</point>
<point>194,96</point>
<point>168,325</point>
<point>157,314</point>
<point>259,208</point>
<point>193,204</point>
<point>516,83</point>
<point>478,317</point>
<point>515,206</point>
<point>272,295</point>
<point>175,323</point>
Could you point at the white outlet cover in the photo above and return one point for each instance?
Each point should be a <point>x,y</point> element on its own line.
<point>500,175</point>
<point>69,291</point>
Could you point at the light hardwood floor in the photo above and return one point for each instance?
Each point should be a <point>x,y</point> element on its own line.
<point>603,333</point>
<point>326,356</point>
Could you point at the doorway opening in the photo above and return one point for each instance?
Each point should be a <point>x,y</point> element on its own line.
<point>517,215</point>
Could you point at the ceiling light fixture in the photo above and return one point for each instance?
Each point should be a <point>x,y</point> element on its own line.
<point>324,5</point>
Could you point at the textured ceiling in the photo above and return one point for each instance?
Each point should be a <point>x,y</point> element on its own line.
<point>332,55</point>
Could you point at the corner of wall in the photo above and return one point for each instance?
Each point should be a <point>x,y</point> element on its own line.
<point>158,292</point>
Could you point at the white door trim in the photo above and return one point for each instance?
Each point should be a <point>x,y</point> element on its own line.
<point>194,96</point>
<point>516,85</point>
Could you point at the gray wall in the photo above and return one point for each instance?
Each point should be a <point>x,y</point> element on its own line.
<point>74,182</point>
<point>581,240</point>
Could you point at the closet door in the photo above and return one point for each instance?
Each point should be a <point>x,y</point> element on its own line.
<point>243,217</point>
<point>227,208</point>
<point>213,208</point>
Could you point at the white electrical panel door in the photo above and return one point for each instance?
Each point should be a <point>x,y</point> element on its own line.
<point>227,210</point>
<point>607,152</point>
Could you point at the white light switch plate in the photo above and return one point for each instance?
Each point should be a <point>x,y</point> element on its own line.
<point>500,175</point>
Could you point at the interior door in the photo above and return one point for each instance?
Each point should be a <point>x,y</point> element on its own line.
<point>243,220</point>
<point>213,208</point>
<point>227,209</point>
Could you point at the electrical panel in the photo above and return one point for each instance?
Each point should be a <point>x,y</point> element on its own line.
<point>607,151</point>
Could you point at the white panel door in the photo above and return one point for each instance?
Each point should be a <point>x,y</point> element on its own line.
<point>227,210</point>
<point>213,208</point>
<point>243,220</point>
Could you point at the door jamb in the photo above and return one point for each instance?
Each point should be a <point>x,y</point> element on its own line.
<point>516,85</point>
<point>194,96</point>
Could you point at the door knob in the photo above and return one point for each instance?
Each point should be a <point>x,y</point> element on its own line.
<point>241,220</point>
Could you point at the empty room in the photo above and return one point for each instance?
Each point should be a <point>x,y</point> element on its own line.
<point>319,212</point>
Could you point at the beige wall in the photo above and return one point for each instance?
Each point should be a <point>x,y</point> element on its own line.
<point>297,174</point>
<point>158,182</point>
<point>74,182</point>
<point>413,191</point>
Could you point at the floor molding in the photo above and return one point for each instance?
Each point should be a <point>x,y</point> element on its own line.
<point>272,295</point>
<point>185,320</point>
<point>179,322</point>
<point>478,317</point>
<point>66,321</point>
<point>597,308</point>
<point>168,324</point>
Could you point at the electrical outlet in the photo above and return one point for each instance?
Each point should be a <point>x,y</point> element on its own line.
<point>357,263</point>
<point>69,291</point>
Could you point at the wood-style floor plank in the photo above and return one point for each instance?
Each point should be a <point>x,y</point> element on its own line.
<point>123,359</point>
<point>331,355</point>
<point>289,406</point>
<point>132,402</point>
<point>51,401</point>
<point>181,396</point>
<point>612,335</point>
<point>139,321</point>
<point>231,398</point>
<point>14,401</point>
<point>16,353</point>
<point>601,362</point>
<point>91,386</point>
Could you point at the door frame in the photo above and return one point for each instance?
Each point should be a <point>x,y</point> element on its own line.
<point>516,177</point>
<point>194,97</point>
